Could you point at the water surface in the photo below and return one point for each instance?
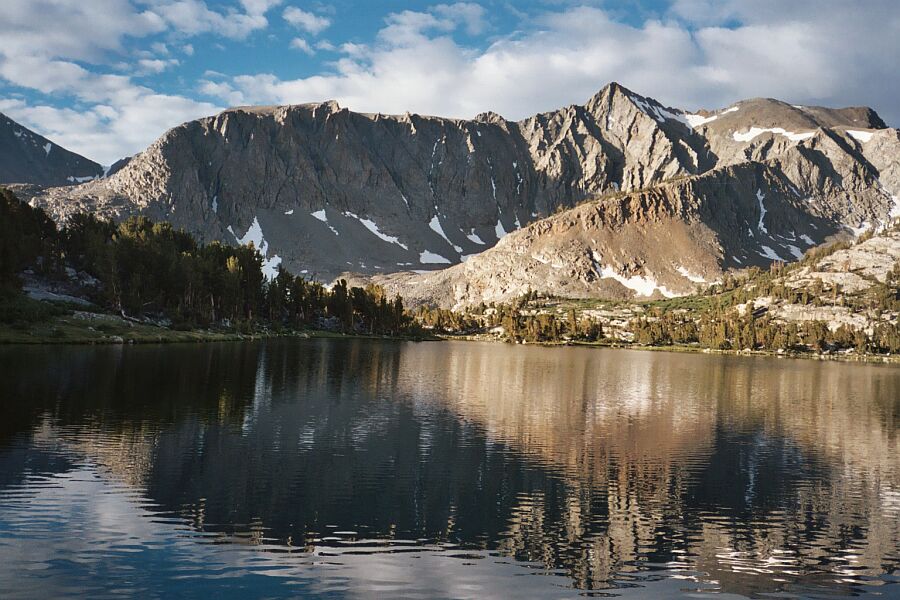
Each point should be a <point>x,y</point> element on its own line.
<point>353,468</point>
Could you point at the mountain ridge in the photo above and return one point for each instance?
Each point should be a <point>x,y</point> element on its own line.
<point>328,190</point>
<point>29,158</point>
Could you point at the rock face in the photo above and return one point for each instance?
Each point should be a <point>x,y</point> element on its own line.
<point>846,279</point>
<point>663,241</point>
<point>328,191</point>
<point>26,157</point>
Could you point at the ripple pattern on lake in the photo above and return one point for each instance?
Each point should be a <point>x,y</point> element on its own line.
<point>350,468</point>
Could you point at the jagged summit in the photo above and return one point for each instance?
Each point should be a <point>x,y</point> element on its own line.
<point>27,157</point>
<point>768,112</point>
<point>331,190</point>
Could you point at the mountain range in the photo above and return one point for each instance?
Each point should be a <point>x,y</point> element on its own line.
<point>619,197</point>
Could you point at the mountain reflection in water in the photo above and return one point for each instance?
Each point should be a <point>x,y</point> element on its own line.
<point>364,468</point>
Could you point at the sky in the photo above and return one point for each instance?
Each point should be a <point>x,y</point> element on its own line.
<point>105,78</point>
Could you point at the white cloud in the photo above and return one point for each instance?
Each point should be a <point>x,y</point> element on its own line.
<point>62,49</point>
<point>83,31</point>
<point>470,14</point>
<point>808,51</point>
<point>192,17</point>
<point>159,48</point>
<point>156,65</point>
<point>107,132</point>
<point>306,21</point>
<point>567,55</point>
<point>302,45</point>
<point>259,7</point>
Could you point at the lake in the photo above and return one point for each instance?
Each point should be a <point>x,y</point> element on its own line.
<point>357,468</point>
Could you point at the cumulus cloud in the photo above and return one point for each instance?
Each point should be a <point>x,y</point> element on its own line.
<point>156,65</point>
<point>46,28</point>
<point>192,17</point>
<point>107,132</point>
<point>259,7</point>
<point>302,45</point>
<point>306,21</point>
<point>693,56</point>
<point>472,15</point>
<point>79,51</point>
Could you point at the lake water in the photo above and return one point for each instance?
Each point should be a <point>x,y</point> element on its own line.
<point>354,468</point>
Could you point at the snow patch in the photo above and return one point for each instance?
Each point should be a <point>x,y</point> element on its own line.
<point>255,235</point>
<point>863,227</point>
<point>73,179</point>
<point>47,147</point>
<point>895,209</point>
<point>762,211</point>
<point>371,226</point>
<point>696,121</point>
<point>644,286</point>
<point>473,237</point>
<point>320,215</point>
<point>659,113</point>
<point>270,267</point>
<point>863,136</point>
<point>769,253</point>
<point>435,225</point>
<point>797,252</point>
<point>430,258</point>
<point>808,240</point>
<point>498,230</point>
<point>690,276</point>
<point>215,204</point>
<point>289,212</point>
<point>755,131</point>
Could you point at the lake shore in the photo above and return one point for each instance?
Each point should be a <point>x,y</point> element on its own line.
<point>102,328</point>
<point>840,357</point>
<point>111,330</point>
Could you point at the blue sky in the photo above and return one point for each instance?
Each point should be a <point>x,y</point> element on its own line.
<point>107,77</point>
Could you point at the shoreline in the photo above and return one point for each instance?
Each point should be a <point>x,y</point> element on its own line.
<point>848,358</point>
<point>75,332</point>
<point>50,334</point>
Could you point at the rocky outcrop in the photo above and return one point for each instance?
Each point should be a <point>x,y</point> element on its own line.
<point>26,157</point>
<point>667,240</point>
<point>326,190</point>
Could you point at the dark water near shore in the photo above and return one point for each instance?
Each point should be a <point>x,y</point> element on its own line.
<point>353,468</point>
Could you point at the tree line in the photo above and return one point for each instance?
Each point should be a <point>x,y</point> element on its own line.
<point>145,268</point>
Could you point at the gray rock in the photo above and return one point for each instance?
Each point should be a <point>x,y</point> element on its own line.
<point>26,157</point>
<point>327,191</point>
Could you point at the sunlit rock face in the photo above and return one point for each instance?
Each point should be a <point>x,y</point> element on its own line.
<point>329,191</point>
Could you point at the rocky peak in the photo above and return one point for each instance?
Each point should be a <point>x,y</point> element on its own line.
<point>490,117</point>
<point>27,157</point>
<point>334,190</point>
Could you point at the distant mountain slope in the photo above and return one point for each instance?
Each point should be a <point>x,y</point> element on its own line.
<point>663,241</point>
<point>26,157</point>
<point>327,190</point>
